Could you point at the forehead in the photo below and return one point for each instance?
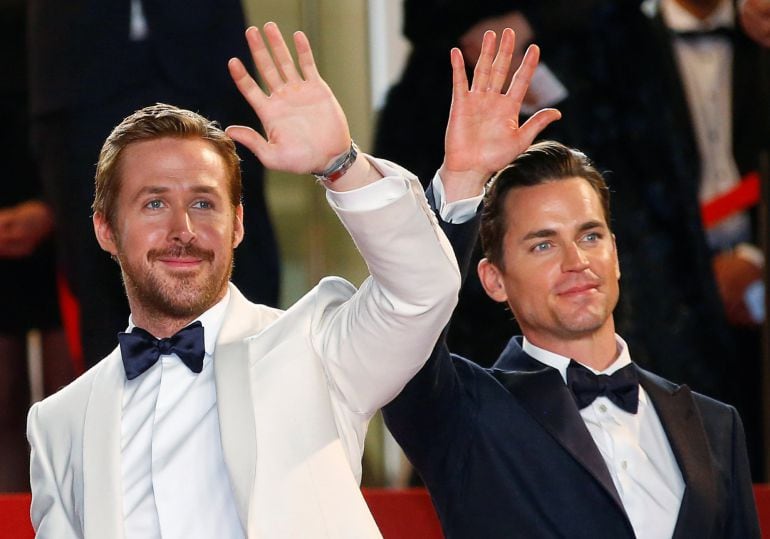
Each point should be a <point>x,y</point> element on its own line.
<point>558,203</point>
<point>172,163</point>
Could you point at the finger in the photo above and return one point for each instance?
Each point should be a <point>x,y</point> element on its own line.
<point>247,136</point>
<point>305,57</point>
<point>523,76</point>
<point>459,78</point>
<point>283,60</point>
<point>502,64</point>
<point>248,87</point>
<point>263,60</point>
<point>484,64</point>
<point>535,125</point>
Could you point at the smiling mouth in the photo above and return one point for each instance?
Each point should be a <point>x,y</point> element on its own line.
<point>578,290</point>
<point>180,262</point>
<point>181,257</point>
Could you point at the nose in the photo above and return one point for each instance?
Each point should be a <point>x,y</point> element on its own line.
<point>181,229</point>
<point>575,258</point>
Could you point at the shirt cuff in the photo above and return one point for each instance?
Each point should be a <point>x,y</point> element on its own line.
<point>456,212</point>
<point>374,196</point>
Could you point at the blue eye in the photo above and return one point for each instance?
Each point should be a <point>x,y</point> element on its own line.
<point>154,204</point>
<point>203,205</point>
<point>542,246</point>
<point>593,237</point>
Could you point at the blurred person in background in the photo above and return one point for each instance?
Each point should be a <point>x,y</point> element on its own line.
<point>27,266</point>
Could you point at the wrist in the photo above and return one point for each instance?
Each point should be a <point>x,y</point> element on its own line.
<point>339,166</point>
<point>360,174</point>
<point>462,184</point>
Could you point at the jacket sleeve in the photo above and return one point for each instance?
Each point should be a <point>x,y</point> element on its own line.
<point>432,417</point>
<point>373,343</point>
<point>742,519</point>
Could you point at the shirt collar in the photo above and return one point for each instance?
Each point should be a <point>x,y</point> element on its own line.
<point>211,320</point>
<point>679,19</point>
<point>560,362</point>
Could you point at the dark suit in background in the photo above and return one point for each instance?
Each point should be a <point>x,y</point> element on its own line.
<point>86,75</point>
<point>505,452</point>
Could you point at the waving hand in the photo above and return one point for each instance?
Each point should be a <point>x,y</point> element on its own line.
<point>305,127</point>
<point>483,134</point>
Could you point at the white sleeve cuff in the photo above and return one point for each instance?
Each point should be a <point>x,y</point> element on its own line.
<point>456,212</point>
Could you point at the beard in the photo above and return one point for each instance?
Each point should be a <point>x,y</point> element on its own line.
<point>182,296</point>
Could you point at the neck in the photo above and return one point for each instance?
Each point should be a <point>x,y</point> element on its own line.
<point>163,323</point>
<point>699,8</point>
<point>597,350</point>
<point>161,327</point>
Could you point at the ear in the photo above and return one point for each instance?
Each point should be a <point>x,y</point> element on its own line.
<point>615,254</point>
<point>238,226</point>
<point>104,234</point>
<point>492,280</point>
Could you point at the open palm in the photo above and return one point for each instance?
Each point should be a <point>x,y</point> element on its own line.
<point>483,134</point>
<point>305,127</point>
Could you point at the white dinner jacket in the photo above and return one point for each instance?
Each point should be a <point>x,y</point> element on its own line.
<point>295,392</point>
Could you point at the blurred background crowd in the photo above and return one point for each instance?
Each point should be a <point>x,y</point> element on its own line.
<point>670,99</point>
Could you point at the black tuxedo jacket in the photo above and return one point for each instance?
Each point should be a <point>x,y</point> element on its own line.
<point>504,451</point>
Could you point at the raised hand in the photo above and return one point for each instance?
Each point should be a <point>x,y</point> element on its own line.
<point>483,134</point>
<point>305,127</point>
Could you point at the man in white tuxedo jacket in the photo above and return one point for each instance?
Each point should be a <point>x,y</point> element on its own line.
<point>266,440</point>
<point>215,417</point>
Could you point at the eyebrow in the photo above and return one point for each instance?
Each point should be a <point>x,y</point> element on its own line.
<point>159,190</point>
<point>549,232</point>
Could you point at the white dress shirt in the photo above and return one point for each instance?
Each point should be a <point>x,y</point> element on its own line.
<point>175,483</point>
<point>705,67</point>
<point>635,449</point>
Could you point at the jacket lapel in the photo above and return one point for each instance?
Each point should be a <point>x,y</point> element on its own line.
<point>102,483</point>
<point>542,392</point>
<point>234,400</point>
<point>684,428</point>
<point>236,421</point>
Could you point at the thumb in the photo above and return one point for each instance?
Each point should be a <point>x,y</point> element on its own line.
<point>537,122</point>
<point>250,138</point>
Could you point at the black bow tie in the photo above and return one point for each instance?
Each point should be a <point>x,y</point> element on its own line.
<point>140,350</point>
<point>621,387</point>
<point>694,35</point>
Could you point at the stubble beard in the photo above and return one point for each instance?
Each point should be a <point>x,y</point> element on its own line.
<point>175,296</point>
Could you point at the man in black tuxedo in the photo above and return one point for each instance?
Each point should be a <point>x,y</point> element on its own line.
<point>565,436</point>
<point>94,62</point>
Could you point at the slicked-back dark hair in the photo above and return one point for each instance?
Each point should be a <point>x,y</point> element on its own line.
<point>543,162</point>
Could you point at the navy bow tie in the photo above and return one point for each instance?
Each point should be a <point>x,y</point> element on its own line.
<point>621,387</point>
<point>140,350</point>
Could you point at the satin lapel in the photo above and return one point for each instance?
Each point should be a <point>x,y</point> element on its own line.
<point>102,490</point>
<point>683,425</point>
<point>236,421</point>
<point>234,402</point>
<point>544,395</point>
